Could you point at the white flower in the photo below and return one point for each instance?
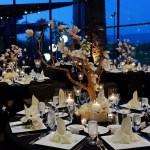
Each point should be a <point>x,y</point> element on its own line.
<point>29,32</point>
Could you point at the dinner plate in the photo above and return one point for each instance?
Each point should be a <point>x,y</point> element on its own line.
<point>101,130</point>
<point>45,141</point>
<point>76,126</point>
<point>22,112</point>
<point>61,114</point>
<point>19,129</point>
<point>123,111</point>
<point>129,107</point>
<point>117,146</point>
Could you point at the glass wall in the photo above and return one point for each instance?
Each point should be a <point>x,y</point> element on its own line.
<point>134,24</point>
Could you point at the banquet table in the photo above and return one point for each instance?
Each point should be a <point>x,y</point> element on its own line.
<point>123,80</point>
<point>12,141</point>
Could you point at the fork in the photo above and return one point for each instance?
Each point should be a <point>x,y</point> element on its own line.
<point>102,144</point>
<point>98,143</point>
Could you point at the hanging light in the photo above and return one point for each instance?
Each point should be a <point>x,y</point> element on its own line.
<point>47,56</point>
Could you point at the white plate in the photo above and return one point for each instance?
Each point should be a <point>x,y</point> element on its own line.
<point>66,122</point>
<point>117,146</point>
<point>146,130</point>
<point>123,111</point>
<point>101,130</point>
<point>46,142</point>
<point>76,126</point>
<point>19,129</point>
<point>128,106</point>
<point>22,112</point>
<point>61,114</point>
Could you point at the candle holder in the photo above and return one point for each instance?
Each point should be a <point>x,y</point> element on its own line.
<point>80,76</point>
<point>37,63</point>
<point>69,97</point>
<point>77,91</point>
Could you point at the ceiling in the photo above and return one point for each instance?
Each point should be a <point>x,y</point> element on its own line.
<point>19,9</point>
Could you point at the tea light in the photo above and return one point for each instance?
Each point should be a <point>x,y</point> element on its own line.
<point>80,76</point>
<point>77,112</point>
<point>110,116</point>
<point>83,121</point>
<point>69,101</point>
<point>96,107</point>
<point>112,97</point>
<point>4,73</point>
<point>22,73</point>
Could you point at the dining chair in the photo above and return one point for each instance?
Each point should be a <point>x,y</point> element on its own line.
<point>136,82</point>
<point>42,91</point>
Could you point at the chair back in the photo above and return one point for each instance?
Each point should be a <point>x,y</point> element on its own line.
<point>42,91</point>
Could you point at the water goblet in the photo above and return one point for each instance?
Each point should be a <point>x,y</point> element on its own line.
<point>136,120</point>
<point>41,108</point>
<point>144,103</point>
<point>71,112</point>
<point>51,121</point>
<point>92,131</point>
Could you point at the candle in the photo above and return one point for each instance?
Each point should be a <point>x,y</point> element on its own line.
<point>110,117</point>
<point>70,101</point>
<point>112,97</point>
<point>83,121</point>
<point>95,107</point>
<point>80,76</point>
<point>4,73</point>
<point>77,111</point>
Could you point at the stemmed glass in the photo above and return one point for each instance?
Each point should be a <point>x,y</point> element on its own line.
<point>144,103</point>
<point>37,63</point>
<point>92,131</point>
<point>71,111</point>
<point>41,108</point>
<point>51,119</point>
<point>77,91</point>
<point>136,120</point>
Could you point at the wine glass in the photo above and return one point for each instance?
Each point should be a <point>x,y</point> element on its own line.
<point>51,119</point>
<point>71,111</point>
<point>92,131</point>
<point>144,103</point>
<point>136,120</point>
<point>41,108</point>
<point>37,63</point>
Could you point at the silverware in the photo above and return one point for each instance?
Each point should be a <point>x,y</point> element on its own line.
<point>81,145</point>
<point>37,138</point>
<point>102,144</point>
<point>98,144</point>
<point>27,134</point>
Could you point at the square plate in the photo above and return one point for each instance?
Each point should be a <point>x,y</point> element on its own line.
<point>22,112</point>
<point>117,146</point>
<point>19,129</point>
<point>129,107</point>
<point>46,142</point>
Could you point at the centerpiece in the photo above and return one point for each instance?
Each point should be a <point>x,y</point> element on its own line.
<point>77,53</point>
<point>126,53</point>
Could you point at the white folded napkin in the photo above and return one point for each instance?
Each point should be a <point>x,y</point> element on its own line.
<point>36,120</point>
<point>26,79</point>
<point>42,76</point>
<point>27,115</point>
<point>124,134</point>
<point>61,135</point>
<point>61,96</point>
<point>134,102</point>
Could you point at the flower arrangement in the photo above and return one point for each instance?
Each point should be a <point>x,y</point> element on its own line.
<point>11,56</point>
<point>34,122</point>
<point>77,52</point>
<point>126,51</point>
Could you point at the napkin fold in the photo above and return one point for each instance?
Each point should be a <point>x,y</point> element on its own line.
<point>61,135</point>
<point>134,102</point>
<point>124,134</point>
<point>42,76</point>
<point>27,115</point>
<point>61,96</point>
